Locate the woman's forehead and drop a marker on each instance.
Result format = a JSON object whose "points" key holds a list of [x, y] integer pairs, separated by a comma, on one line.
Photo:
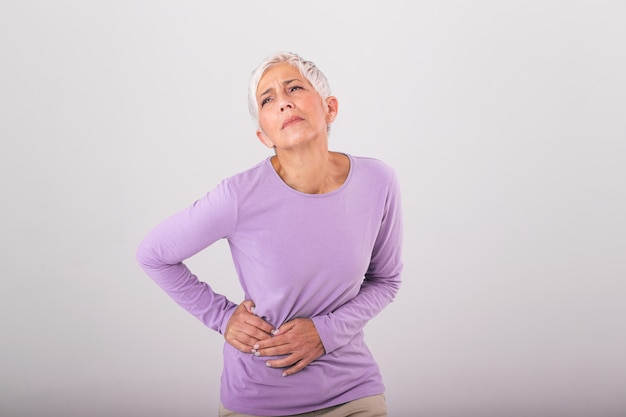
{"points": [[281, 73]]}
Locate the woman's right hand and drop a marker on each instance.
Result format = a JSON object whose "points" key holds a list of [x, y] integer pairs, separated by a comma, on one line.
{"points": [[245, 329]]}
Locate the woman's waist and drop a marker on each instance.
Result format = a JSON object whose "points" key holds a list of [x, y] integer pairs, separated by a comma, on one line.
{"points": [[346, 373], [351, 364]]}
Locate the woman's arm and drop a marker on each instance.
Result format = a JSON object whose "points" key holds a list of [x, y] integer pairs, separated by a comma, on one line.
{"points": [[381, 283], [162, 252]]}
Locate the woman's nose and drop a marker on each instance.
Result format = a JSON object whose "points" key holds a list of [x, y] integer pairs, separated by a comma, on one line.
{"points": [[284, 102], [286, 105]]}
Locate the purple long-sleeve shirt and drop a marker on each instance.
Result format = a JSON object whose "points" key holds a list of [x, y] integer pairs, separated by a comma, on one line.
{"points": [[334, 258]]}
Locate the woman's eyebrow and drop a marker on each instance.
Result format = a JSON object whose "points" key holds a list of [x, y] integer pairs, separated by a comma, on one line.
{"points": [[266, 91], [287, 82], [284, 83]]}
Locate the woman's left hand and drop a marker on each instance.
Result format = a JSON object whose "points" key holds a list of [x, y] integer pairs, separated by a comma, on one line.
{"points": [[298, 339]]}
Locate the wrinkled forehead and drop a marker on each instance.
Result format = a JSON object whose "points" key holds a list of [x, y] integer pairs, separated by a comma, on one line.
{"points": [[278, 74]]}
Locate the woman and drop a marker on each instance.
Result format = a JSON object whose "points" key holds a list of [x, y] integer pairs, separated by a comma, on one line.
{"points": [[315, 238]]}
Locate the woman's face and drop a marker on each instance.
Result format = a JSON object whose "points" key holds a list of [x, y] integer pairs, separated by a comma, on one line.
{"points": [[291, 111]]}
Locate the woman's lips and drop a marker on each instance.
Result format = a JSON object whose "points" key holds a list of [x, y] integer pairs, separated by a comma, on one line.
{"points": [[290, 121]]}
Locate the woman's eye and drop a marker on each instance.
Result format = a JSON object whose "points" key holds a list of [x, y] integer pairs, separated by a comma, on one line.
{"points": [[265, 101], [294, 88]]}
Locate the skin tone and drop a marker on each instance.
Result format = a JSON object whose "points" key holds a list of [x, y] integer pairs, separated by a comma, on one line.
{"points": [[293, 120]]}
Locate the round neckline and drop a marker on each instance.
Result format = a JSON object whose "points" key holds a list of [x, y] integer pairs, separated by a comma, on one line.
{"points": [[268, 164]]}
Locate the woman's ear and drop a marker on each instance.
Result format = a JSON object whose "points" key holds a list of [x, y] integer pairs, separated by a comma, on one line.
{"points": [[264, 139], [332, 107]]}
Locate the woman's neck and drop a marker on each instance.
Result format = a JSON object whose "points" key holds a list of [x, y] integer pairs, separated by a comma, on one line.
{"points": [[312, 173]]}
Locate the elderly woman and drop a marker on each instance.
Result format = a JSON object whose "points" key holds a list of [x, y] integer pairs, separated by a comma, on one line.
{"points": [[315, 238]]}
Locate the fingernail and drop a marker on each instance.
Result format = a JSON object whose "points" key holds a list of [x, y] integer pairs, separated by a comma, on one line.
{"points": [[257, 353], [274, 332], [284, 373], [252, 309], [255, 347], [268, 364]]}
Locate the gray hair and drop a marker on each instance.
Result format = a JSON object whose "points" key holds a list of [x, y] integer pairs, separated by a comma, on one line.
{"points": [[307, 69]]}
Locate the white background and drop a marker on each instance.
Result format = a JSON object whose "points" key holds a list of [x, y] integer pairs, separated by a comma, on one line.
{"points": [[506, 124]]}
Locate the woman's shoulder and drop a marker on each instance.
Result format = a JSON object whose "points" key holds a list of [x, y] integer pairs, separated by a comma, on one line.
{"points": [[370, 166], [245, 182]]}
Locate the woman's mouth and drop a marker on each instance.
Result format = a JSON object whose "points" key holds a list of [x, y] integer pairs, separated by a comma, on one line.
{"points": [[291, 121]]}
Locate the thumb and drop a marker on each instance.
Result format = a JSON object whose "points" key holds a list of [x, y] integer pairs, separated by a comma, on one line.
{"points": [[287, 326], [249, 306]]}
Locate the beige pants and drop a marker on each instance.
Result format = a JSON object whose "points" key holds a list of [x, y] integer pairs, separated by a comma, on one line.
{"points": [[374, 406]]}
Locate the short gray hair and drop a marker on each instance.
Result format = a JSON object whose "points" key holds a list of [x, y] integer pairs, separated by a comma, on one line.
{"points": [[307, 69]]}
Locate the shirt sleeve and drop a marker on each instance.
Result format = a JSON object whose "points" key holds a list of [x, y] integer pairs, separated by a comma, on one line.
{"points": [[162, 252], [381, 283]]}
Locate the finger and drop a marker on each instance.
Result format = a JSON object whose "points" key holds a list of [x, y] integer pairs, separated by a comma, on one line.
{"points": [[249, 306], [284, 362], [286, 340], [240, 340], [244, 329], [240, 346], [243, 320], [286, 327], [247, 333], [298, 364], [259, 323], [275, 349]]}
